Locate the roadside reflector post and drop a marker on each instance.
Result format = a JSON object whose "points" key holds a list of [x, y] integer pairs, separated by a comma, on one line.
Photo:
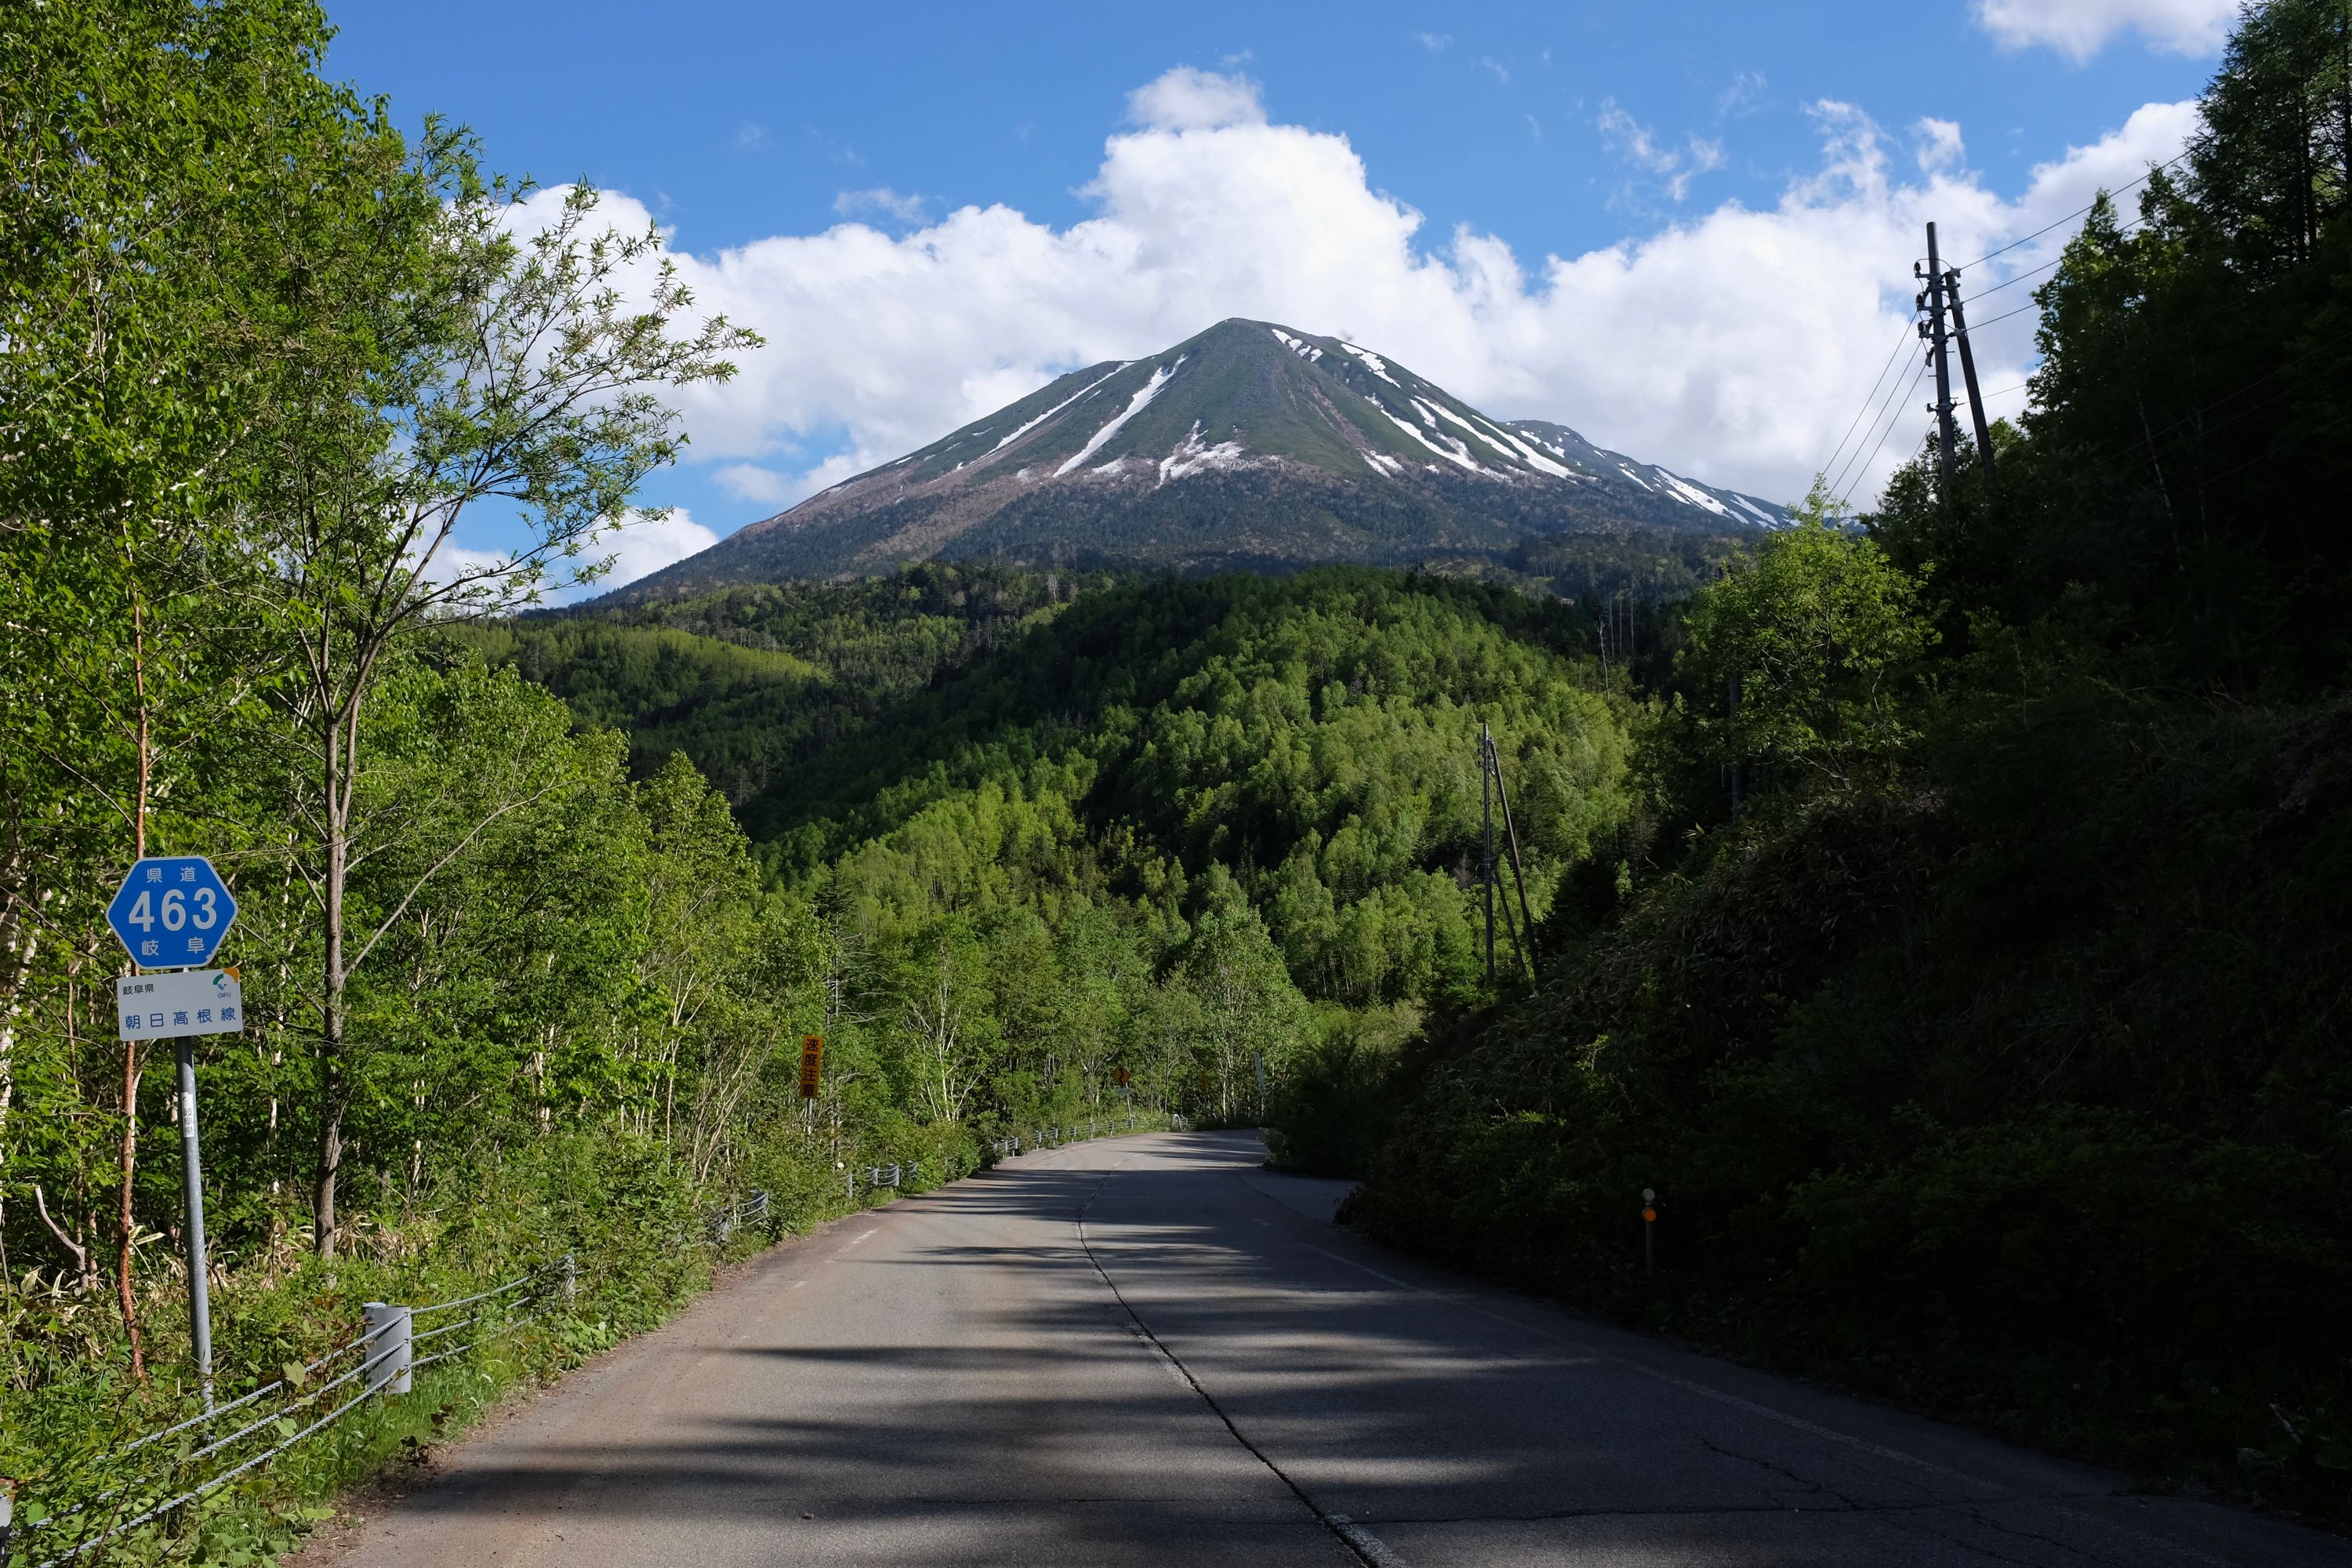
{"points": [[1649, 1230], [571, 1278], [390, 1348]]}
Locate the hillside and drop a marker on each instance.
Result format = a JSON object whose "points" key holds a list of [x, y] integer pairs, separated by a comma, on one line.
{"points": [[1969, 991], [1250, 445]]}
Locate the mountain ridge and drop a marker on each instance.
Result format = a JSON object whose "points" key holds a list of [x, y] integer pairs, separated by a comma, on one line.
{"points": [[1249, 445]]}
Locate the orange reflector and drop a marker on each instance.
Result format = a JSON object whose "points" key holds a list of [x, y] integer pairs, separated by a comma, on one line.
{"points": [[1649, 1214]]}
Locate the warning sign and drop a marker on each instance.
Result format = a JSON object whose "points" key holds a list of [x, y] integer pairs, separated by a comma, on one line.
{"points": [[812, 1059]]}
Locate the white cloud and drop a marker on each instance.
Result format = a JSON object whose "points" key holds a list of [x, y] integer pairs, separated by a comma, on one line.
{"points": [[646, 543], [1634, 141], [1502, 75], [1435, 42], [1939, 148], [1744, 96], [749, 481], [1734, 345], [1189, 100], [879, 201], [2081, 29]]}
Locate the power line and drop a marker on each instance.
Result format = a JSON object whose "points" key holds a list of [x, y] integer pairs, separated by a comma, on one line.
{"points": [[2078, 212], [1877, 412], [1864, 471], [1869, 397]]}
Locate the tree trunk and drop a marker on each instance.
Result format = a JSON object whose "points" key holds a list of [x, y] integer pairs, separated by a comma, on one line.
{"points": [[125, 1229], [337, 735], [128, 1161]]}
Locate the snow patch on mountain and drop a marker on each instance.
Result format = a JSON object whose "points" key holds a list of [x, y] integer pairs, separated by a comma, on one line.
{"points": [[1135, 405], [1534, 459], [1687, 491], [1374, 363], [1298, 346], [1383, 464], [1025, 429], [1191, 457], [1452, 418], [1453, 451]]}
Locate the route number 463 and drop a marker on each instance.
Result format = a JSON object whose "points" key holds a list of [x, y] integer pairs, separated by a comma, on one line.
{"points": [[171, 912], [175, 909]]}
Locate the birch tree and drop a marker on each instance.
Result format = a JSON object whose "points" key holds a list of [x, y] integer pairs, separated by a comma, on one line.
{"points": [[461, 369]]}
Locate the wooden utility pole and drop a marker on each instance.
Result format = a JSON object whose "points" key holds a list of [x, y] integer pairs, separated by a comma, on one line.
{"points": [[1490, 767], [1487, 862], [1968, 375], [1932, 301]]}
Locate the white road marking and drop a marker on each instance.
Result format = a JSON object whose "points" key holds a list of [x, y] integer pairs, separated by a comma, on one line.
{"points": [[1370, 1547], [865, 1235]]}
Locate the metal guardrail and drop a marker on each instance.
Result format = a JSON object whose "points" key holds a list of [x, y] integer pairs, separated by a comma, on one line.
{"points": [[1095, 1127], [389, 1357], [389, 1346]]}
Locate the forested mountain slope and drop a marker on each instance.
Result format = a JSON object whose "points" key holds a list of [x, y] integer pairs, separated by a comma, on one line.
{"points": [[1250, 445], [749, 681], [970, 738], [1989, 1055]]}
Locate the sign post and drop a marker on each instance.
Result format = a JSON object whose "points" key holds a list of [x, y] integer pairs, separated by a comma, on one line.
{"points": [[1649, 1220], [171, 914]]}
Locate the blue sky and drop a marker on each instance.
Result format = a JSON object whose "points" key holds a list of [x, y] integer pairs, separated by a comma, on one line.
{"points": [[1684, 229]]}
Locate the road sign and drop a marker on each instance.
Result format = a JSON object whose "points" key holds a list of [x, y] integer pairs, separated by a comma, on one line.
{"points": [[171, 912], [812, 1059], [191, 1002], [1119, 1077]]}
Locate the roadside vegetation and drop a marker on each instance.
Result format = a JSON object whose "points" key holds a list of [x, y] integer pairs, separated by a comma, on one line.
{"points": [[1986, 1057], [1991, 1057], [1025, 849]]}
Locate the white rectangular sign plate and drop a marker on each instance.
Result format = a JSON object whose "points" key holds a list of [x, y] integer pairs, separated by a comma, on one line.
{"points": [[188, 1002]]}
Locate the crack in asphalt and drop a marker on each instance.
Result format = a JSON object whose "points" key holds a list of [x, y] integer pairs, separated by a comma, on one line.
{"points": [[1812, 1487], [1364, 1549]]}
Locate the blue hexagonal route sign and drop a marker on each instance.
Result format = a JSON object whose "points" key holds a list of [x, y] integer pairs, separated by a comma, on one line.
{"points": [[171, 912]]}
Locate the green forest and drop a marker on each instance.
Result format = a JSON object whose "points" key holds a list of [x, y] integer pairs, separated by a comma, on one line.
{"points": [[1945, 911]]}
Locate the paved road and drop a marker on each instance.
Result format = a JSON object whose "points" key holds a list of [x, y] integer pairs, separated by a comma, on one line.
{"points": [[1146, 1351]]}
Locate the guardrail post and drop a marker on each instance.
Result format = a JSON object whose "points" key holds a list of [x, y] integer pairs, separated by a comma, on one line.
{"points": [[392, 1349], [853, 1185], [571, 1278]]}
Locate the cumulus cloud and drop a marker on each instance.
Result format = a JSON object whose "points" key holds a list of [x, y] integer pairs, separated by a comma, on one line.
{"points": [[643, 542], [1939, 147], [1189, 100], [1435, 42], [749, 481], [2081, 29], [1734, 345]]}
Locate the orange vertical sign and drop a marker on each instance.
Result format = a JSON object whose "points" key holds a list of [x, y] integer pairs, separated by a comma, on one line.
{"points": [[811, 1057]]}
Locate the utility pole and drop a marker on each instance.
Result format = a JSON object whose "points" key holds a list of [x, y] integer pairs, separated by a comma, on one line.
{"points": [[1486, 865], [1490, 767], [1932, 329], [1969, 375]]}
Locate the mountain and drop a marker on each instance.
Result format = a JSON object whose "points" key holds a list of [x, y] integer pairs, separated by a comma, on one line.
{"points": [[1248, 445]]}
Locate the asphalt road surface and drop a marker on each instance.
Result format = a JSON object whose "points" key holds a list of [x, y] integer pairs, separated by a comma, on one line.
{"points": [[1146, 1350]]}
